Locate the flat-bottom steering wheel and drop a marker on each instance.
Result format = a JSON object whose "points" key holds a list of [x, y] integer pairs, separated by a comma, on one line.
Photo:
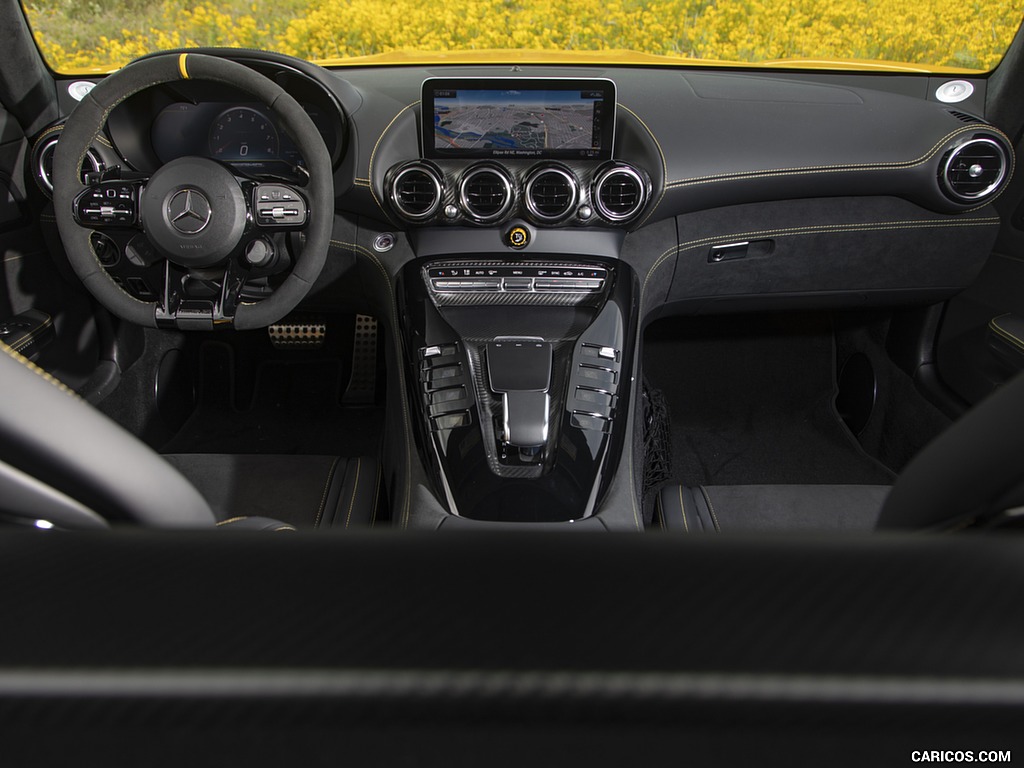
{"points": [[199, 217]]}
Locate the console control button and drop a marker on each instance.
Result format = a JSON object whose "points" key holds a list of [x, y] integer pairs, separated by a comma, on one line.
{"points": [[518, 237]]}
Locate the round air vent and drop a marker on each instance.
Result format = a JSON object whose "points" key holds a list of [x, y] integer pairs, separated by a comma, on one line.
{"points": [[44, 163], [485, 193], [619, 192], [551, 193], [416, 192], [975, 170]]}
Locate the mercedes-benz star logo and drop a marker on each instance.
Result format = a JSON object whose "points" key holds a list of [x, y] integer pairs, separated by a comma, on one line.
{"points": [[189, 211]]}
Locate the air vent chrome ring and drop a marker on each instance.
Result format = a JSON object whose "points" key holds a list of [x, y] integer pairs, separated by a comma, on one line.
{"points": [[982, 180], [44, 163], [535, 187], [499, 196], [625, 208], [413, 181]]}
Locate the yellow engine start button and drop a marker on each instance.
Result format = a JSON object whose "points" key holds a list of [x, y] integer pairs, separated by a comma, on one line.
{"points": [[518, 237]]}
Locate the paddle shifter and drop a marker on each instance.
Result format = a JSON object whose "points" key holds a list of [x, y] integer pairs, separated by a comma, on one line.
{"points": [[520, 371]]}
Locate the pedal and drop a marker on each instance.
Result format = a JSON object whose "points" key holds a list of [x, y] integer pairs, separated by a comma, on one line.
{"points": [[362, 385], [298, 335]]}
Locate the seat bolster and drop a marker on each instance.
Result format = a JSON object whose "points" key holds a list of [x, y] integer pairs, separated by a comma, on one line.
{"points": [[680, 510], [244, 523], [353, 496]]}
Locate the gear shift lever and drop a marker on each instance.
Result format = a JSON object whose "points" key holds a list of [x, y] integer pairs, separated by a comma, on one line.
{"points": [[520, 371]]}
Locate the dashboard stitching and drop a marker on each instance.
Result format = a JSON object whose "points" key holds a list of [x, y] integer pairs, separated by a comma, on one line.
{"points": [[358, 249], [664, 163], [822, 229], [1007, 335], [376, 146], [812, 169]]}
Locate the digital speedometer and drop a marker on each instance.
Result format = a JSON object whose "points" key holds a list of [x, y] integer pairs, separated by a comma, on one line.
{"points": [[244, 134]]}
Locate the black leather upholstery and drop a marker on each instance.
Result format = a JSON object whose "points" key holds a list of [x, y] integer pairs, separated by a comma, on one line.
{"points": [[714, 509], [970, 473], [302, 491]]}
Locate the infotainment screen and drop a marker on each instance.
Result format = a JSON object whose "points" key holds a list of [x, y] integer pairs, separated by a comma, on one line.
{"points": [[518, 118]]}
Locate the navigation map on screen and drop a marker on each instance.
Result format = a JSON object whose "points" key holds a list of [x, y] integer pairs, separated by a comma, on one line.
{"points": [[519, 123]]}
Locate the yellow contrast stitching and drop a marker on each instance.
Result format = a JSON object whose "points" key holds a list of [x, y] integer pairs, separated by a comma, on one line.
{"points": [[233, 520], [1005, 334], [813, 169], [664, 163], [820, 229], [17, 357], [682, 508], [373, 154], [31, 336], [327, 488], [376, 496], [355, 489]]}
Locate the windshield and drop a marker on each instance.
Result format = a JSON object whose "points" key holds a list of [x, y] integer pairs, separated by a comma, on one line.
{"points": [[81, 36]]}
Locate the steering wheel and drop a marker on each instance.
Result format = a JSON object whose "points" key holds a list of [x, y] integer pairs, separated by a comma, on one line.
{"points": [[206, 230]]}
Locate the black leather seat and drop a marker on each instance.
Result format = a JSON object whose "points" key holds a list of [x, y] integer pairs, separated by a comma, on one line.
{"points": [[63, 463], [972, 474]]}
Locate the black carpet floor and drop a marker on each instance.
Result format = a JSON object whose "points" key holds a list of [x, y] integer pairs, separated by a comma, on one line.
{"points": [[751, 402], [294, 407]]}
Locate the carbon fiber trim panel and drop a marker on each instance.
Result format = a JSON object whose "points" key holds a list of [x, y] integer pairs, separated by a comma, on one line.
{"points": [[582, 298]]}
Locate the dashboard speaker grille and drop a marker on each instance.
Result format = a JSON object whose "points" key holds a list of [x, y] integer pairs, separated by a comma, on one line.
{"points": [[416, 192], [486, 194], [620, 193], [975, 170], [551, 193]]}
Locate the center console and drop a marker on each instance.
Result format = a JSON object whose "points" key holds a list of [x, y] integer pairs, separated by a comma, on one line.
{"points": [[521, 374]]}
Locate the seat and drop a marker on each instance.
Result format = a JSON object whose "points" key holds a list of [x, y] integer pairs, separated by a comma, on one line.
{"points": [[64, 464], [713, 509], [971, 474], [302, 491]]}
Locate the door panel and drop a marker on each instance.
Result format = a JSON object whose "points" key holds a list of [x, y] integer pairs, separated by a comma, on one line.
{"points": [[981, 341]]}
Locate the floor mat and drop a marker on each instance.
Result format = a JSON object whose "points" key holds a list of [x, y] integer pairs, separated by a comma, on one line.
{"points": [[294, 408], [750, 402]]}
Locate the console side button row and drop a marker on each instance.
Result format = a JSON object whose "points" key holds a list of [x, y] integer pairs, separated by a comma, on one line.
{"points": [[448, 395], [602, 353], [590, 421], [593, 400], [598, 375], [451, 420]]}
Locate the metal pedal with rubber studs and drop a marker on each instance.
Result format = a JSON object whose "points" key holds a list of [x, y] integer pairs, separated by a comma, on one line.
{"points": [[310, 334], [362, 385]]}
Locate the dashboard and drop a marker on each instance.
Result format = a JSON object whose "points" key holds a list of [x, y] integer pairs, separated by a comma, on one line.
{"points": [[516, 227], [854, 189]]}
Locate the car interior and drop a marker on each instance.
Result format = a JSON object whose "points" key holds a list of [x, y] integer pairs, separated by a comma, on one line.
{"points": [[309, 406]]}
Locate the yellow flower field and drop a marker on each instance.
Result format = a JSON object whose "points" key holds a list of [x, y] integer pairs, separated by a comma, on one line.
{"points": [[970, 34]]}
